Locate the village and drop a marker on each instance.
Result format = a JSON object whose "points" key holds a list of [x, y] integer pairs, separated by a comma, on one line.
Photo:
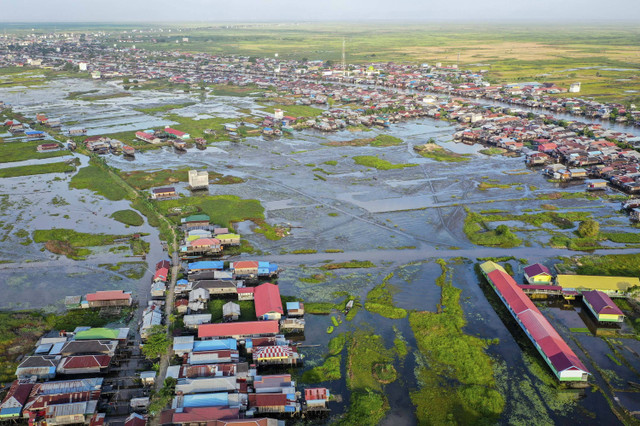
{"points": [[214, 340]]}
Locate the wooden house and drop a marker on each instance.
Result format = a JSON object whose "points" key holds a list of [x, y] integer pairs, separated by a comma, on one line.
{"points": [[602, 307], [109, 298], [160, 193], [537, 274], [268, 304]]}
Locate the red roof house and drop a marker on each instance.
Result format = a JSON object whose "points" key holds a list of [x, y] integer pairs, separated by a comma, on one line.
{"points": [[238, 329], [268, 304], [109, 298]]}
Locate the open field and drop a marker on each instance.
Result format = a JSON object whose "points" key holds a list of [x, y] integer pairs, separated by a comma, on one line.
{"points": [[19, 151]]}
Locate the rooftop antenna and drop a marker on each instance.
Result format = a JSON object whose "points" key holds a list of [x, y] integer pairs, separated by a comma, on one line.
{"points": [[344, 65]]}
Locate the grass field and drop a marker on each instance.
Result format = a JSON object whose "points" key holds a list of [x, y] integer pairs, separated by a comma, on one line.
{"points": [[19, 151], [36, 169]]}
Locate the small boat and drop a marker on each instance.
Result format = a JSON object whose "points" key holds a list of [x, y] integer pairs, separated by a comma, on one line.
{"points": [[128, 150]]}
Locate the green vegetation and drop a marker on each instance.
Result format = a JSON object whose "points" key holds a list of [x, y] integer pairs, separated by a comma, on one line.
{"points": [[142, 179], [377, 163], [222, 209], [623, 265], [196, 128], [349, 265], [380, 300], [295, 110], [483, 186], [97, 179], [314, 279], [157, 343], [304, 251], [493, 151], [588, 229], [164, 108], [436, 152], [336, 345], [329, 370], [247, 309], [458, 385], [162, 398], [105, 96], [621, 237], [128, 217], [331, 163], [20, 151], [478, 232], [36, 169], [381, 140], [366, 404], [237, 91], [71, 243], [20, 330]]}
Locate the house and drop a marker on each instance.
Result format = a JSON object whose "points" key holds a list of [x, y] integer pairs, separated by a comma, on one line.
{"points": [[245, 268], [205, 265], [148, 378], [202, 245], [75, 412], [268, 304], [160, 193], [163, 264], [147, 137], [101, 333], [238, 330], [273, 403], [280, 355], [11, 407], [84, 364], [216, 287], [240, 370], [198, 179], [194, 320], [612, 286], [209, 415], [109, 298], [228, 239], [48, 147], [560, 358], [160, 275], [316, 397], [41, 367], [596, 184], [89, 347], [294, 325], [245, 293], [230, 311], [295, 309], [173, 133], [537, 274], [181, 306], [135, 419], [602, 307], [213, 357], [207, 384], [277, 383], [196, 221], [182, 345]]}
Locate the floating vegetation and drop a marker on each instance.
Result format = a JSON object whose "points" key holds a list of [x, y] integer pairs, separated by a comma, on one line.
{"points": [[458, 385], [380, 300]]}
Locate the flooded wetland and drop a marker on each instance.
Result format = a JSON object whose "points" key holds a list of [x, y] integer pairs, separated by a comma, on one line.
{"points": [[427, 341]]}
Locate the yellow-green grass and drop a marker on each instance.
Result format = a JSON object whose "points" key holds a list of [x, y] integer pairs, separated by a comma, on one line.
{"points": [[20, 151], [36, 169], [378, 163]]}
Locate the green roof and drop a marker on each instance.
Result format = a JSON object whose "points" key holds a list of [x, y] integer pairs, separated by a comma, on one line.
{"points": [[196, 218], [97, 333]]}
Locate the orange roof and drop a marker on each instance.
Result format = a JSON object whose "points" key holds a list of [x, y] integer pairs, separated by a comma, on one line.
{"points": [[108, 295]]}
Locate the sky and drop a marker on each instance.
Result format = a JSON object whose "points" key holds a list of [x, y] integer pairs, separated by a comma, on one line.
{"points": [[569, 11]]}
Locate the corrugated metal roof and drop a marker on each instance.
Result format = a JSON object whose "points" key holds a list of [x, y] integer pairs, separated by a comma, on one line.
{"points": [[601, 303], [591, 282], [267, 299]]}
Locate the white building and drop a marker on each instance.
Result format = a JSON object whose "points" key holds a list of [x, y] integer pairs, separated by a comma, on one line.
{"points": [[82, 66], [574, 88], [198, 179]]}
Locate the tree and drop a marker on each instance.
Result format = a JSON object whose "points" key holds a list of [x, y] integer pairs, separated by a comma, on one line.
{"points": [[157, 343], [588, 228]]}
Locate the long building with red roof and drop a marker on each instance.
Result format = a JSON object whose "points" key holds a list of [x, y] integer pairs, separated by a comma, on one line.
{"points": [[564, 363], [238, 329]]}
